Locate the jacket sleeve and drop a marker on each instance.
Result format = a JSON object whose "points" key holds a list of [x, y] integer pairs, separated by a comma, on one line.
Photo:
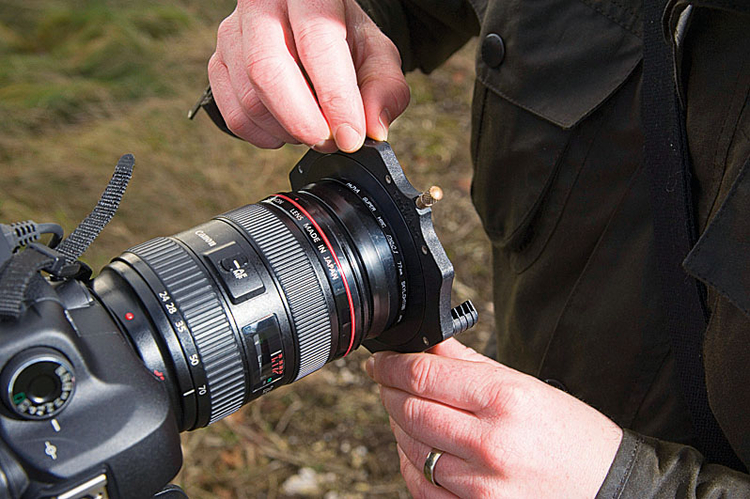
{"points": [[426, 32], [646, 467]]}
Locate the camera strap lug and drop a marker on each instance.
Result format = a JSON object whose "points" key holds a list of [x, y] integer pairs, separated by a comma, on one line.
{"points": [[17, 276], [208, 104]]}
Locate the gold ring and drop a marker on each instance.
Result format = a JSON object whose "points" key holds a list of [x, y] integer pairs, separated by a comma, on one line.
{"points": [[429, 466]]}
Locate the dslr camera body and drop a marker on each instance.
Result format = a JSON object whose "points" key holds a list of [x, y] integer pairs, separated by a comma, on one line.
{"points": [[98, 377]]}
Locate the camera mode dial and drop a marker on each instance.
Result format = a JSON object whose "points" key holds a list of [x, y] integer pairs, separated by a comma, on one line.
{"points": [[38, 383]]}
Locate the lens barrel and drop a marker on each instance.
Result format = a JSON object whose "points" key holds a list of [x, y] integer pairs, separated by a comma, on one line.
{"points": [[256, 298], [266, 294]]}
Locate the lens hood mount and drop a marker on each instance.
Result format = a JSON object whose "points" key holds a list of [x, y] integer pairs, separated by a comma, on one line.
{"points": [[426, 317]]}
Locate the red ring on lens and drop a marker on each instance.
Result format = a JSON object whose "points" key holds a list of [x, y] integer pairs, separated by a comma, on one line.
{"points": [[338, 265]]}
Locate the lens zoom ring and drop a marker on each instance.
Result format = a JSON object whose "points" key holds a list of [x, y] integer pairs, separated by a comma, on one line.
{"points": [[298, 280], [204, 314]]}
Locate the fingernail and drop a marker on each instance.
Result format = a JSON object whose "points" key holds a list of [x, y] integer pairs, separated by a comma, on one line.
{"points": [[325, 146], [385, 122], [347, 138], [370, 367]]}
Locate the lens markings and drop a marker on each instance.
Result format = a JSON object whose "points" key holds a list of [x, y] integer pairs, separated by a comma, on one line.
{"points": [[338, 267]]}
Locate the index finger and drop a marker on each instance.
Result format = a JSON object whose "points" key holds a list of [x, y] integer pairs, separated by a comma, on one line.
{"points": [[467, 385], [320, 36], [275, 75]]}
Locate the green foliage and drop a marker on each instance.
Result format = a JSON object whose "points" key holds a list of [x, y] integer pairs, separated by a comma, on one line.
{"points": [[64, 60]]}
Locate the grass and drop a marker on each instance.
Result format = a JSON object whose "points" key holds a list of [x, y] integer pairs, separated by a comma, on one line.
{"points": [[65, 62], [83, 82]]}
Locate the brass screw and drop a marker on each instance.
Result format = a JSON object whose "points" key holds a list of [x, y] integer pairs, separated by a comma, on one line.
{"points": [[427, 199]]}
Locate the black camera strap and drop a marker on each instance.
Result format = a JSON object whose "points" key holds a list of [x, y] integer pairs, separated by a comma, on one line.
{"points": [[88, 230], [15, 279], [666, 157], [208, 104], [18, 273]]}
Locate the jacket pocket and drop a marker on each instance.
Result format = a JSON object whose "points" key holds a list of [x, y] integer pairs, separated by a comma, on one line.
{"points": [[562, 60]]}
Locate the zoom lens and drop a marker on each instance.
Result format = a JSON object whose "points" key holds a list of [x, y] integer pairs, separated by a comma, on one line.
{"points": [[258, 297], [266, 294]]}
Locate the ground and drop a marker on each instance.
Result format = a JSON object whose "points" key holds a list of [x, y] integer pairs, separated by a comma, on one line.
{"points": [[83, 82]]}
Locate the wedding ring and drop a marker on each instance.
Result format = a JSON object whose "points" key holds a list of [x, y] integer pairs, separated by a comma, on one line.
{"points": [[429, 466]]}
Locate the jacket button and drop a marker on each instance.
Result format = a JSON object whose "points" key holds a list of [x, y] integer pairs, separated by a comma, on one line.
{"points": [[557, 384], [493, 50]]}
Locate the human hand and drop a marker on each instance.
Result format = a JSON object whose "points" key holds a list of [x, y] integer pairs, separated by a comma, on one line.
{"points": [[263, 94], [502, 433]]}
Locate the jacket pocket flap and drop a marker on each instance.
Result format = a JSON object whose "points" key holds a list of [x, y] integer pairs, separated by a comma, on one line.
{"points": [[561, 59], [721, 257]]}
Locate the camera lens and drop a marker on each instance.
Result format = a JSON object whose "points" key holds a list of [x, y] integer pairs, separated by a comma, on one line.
{"points": [[260, 296], [266, 294]]}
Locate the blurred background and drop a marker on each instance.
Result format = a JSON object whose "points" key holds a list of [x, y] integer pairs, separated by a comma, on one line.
{"points": [[82, 82]]}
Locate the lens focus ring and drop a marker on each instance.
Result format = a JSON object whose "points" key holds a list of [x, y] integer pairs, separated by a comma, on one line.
{"points": [[189, 287], [292, 267]]}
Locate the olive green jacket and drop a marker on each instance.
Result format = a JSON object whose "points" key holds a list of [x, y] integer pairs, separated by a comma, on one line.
{"points": [[560, 189]]}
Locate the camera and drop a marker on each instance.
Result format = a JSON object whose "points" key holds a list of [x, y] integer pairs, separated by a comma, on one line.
{"points": [[99, 376]]}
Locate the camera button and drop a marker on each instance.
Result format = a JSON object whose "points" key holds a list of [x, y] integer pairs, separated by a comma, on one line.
{"points": [[38, 382], [235, 262], [235, 271]]}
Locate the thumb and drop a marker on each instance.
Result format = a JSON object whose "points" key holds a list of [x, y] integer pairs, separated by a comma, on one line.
{"points": [[454, 349]]}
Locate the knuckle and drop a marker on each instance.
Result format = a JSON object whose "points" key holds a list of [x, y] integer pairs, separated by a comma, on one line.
{"points": [[334, 102], [267, 76], [392, 87], [513, 396], [400, 91], [413, 414], [241, 126], [318, 35], [488, 397], [421, 374], [487, 453], [304, 131], [475, 442], [496, 399], [386, 50], [369, 39], [264, 70], [392, 50], [226, 29], [236, 121], [252, 104], [473, 439], [303, 134], [213, 63], [491, 451]]}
